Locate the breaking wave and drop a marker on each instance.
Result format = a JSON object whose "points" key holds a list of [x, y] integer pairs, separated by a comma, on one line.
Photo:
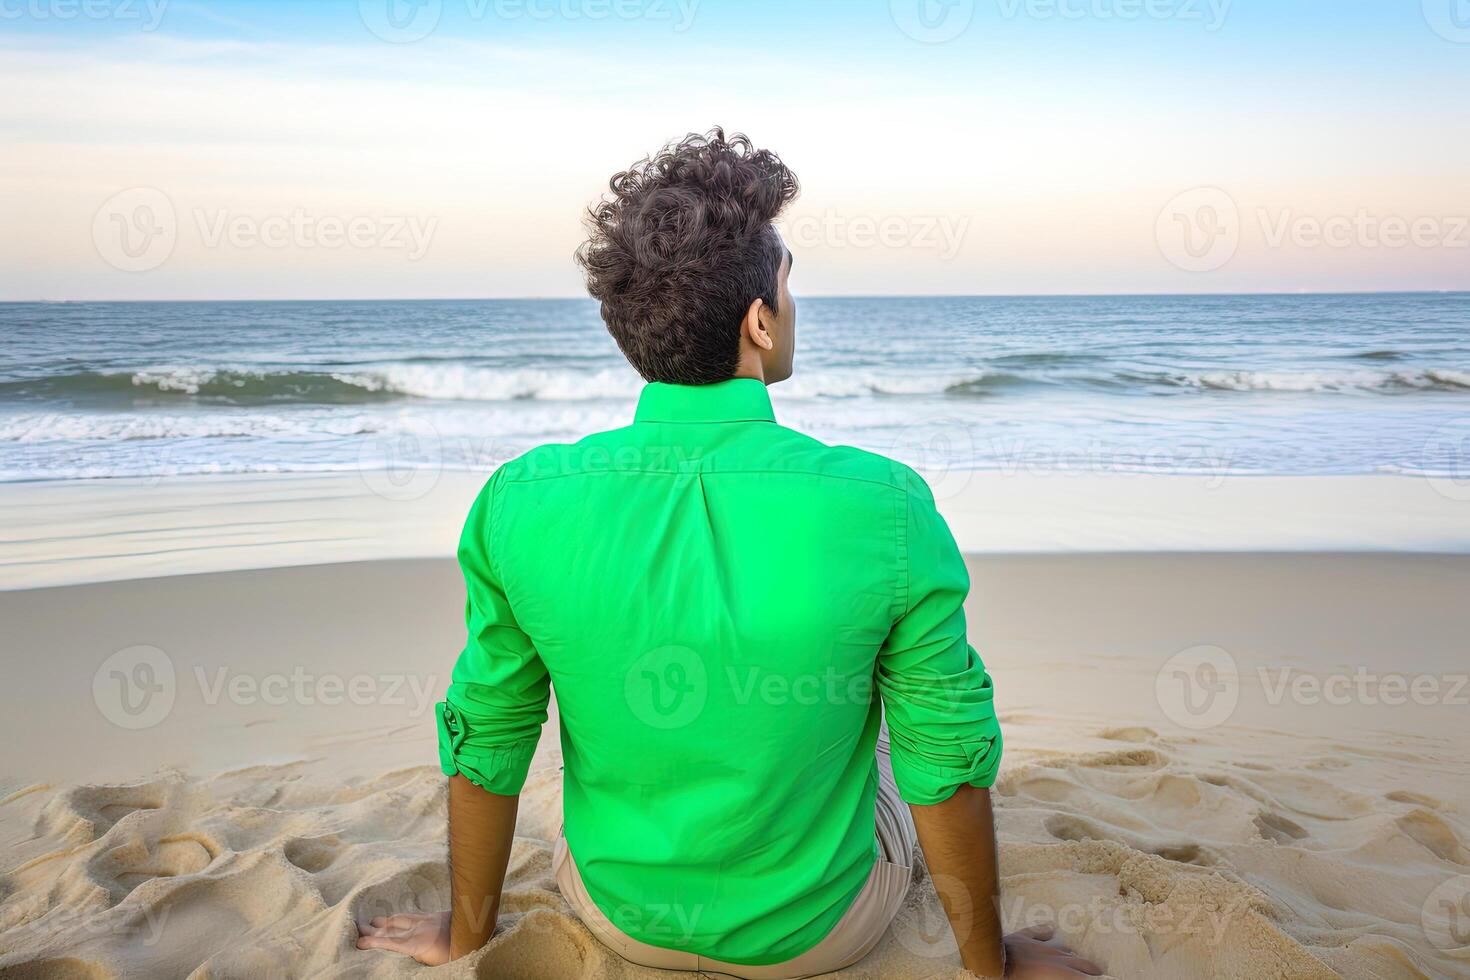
{"points": [[243, 387]]}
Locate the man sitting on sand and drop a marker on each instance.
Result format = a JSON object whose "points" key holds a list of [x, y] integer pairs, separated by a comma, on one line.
{"points": [[757, 641]]}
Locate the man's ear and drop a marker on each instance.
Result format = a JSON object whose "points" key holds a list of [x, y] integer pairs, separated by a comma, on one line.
{"points": [[755, 327]]}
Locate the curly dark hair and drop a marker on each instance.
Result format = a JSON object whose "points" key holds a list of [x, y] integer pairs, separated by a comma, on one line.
{"points": [[680, 250]]}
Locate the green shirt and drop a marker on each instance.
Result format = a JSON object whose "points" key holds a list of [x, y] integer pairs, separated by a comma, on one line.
{"points": [[720, 603]]}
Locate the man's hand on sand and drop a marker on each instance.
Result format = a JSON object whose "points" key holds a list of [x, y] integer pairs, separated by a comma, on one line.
{"points": [[1032, 954], [424, 937]]}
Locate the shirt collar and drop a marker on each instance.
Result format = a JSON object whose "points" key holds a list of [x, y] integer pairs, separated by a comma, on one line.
{"points": [[736, 400]]}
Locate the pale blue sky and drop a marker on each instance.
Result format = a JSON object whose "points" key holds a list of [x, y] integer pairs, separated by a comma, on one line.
{"points": [[1000, 146]]}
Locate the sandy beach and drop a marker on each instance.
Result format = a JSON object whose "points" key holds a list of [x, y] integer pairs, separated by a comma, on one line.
{"points": [[1235, 750], [1167, 301]]}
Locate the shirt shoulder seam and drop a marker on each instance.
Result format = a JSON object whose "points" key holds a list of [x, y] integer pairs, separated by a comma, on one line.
{"points": [[889, 484]]}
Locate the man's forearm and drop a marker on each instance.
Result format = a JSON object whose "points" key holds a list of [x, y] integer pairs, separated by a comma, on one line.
{"points": [[958, 838], [482, 829]]}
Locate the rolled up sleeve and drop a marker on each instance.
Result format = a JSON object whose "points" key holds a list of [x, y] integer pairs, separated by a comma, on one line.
{"points": [[937, 696], [491, 718]]}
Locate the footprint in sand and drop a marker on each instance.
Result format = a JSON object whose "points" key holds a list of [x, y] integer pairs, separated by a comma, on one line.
{"points": [[135, 862], [106, 806], [61, 968], [1140, 758], [1417, 799], [313, 854], [1435, 835], [1135, 733], [1064, 826], [1071, 828], [1275, 827], [1184, 854]]}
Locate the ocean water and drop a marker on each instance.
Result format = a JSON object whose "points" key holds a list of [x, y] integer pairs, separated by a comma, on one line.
{"points": [[1197, 385]]}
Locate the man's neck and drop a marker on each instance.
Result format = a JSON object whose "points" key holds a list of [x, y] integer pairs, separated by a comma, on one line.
{"points": [[750, 366]]}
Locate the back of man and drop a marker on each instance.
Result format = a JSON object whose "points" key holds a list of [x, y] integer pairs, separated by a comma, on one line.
{"points": [[735, 619], [711, 594]]}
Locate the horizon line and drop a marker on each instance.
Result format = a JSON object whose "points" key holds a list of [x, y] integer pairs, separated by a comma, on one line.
{"points": [[866, 296]]}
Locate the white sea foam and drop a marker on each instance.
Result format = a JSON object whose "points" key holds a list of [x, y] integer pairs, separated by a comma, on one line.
{"points": [[448, 381], [461, 382], [314, 423], [56, 426], [956, 384], [185, 380], [464, 383], [1429, 379]]}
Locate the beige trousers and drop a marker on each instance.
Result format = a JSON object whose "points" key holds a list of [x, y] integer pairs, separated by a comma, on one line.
{"points": [[857, 932]]}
